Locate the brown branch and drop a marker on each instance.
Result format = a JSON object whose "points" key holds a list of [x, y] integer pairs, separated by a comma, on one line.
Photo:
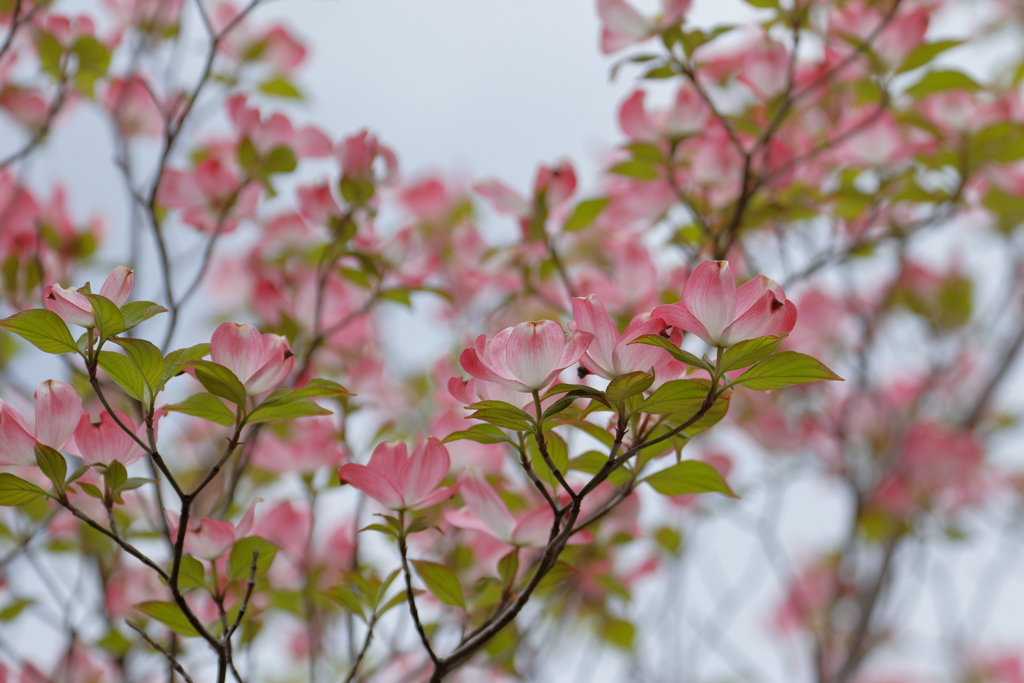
{"points": [[170, 658]]}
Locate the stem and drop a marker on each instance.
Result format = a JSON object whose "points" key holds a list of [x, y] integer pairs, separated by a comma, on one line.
{"points": [[410, 597]]}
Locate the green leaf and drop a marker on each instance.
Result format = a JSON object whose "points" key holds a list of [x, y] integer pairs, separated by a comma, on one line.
{"points": [[172, 363], [585, 213], [218, 380], [16, 492], [191, 573], [91, 490], [51, 53], [641, 170], [137, 312], [346, 599], [938, 81], [922, 54], [240, 560], [624, 386], [669, 539], [502, 414], [619, 631], [675, 351], [107, 316], [442, 582], [43, 329], [285, 411], [170, 615], [93, 62], [125, 374], [479, 434], [208, 407], [11, 611], [280, 87], [748, 352], [674, 396], [116, 475], [281, 159], [147, 358], [53, 465], [783, 369], [323, 388], [689, 476], [508, 567]]}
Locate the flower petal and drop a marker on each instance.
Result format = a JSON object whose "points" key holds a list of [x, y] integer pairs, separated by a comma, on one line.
{"points": [[58, 410], [17, 445], [372, 484], [118, 285], [428, 466], [485, 504], [679, 317], [590, 316], [239, 348], [710, 296]]}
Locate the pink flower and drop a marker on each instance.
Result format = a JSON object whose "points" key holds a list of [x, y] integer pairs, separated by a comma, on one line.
{"points": [[402, 482], [213, 537], [104, 442], [689, 114], [611, 354], [487, 513], [259, 361], [623, 25], [58, 408], [133, 107], [73, 307], [358, 153], [267, 133], [525, 357], [722, 315]]}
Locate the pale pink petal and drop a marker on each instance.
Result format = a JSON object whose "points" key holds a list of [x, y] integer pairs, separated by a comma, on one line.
{"points": [[633, 118], [590, 316], [72, 306], [213, 538], [751, 291], [372, 484], [118, 285], [428, 466], [17, 445], [487, 506], [391, 461], [576, 344], [534, 350], [245, 525], [640, 357], [756, 322], [460, 389], [278, 361], [623, 25], [503, 198], [710, 296], [436, 497], [783, 319], [104, 442], [471, 362], [239, 348], [680, 318], [464, 518], [58, 410], [672, 11], [311, 142], [533, 529]]}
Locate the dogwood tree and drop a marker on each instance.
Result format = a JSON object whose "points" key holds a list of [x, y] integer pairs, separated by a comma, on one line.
{"points": [[801, 273]]}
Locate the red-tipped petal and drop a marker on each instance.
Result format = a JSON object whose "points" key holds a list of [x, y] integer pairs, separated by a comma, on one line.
{"points": [[591, 316], [118, 285], [680, 318]]}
